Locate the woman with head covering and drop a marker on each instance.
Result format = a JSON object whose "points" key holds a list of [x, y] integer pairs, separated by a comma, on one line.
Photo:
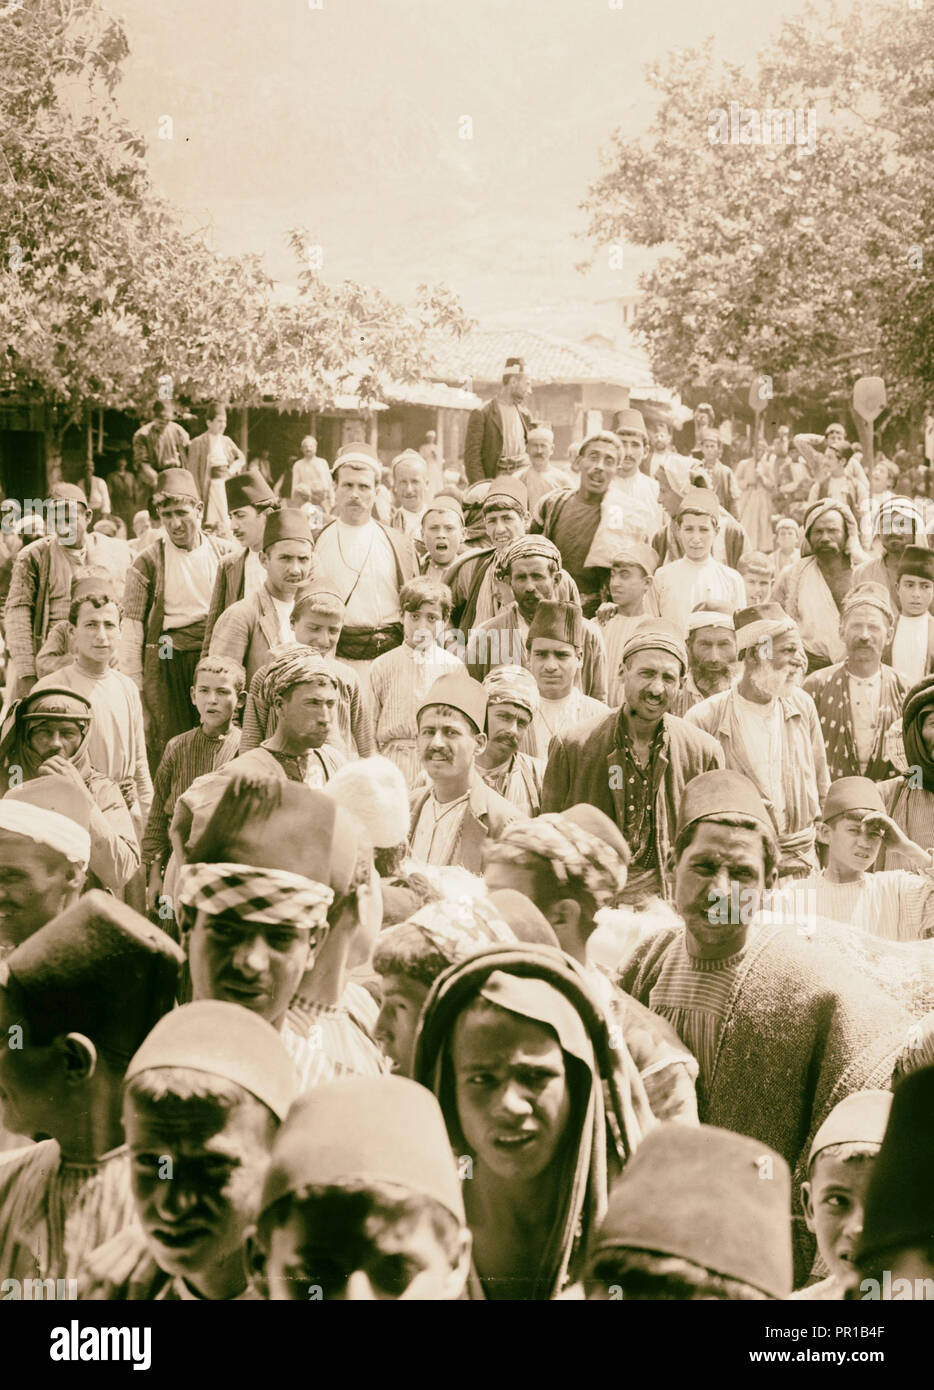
{"points": [[909, 798], [47, 734], [541, 1109]]}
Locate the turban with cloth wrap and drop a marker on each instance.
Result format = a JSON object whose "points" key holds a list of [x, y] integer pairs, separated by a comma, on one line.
{"points": [[274, 897], [297, 666], [51, 811], [754, 625], [655, 634], [571, 851], [919, 702], [850, 526], [526, 548], [512, 685]]}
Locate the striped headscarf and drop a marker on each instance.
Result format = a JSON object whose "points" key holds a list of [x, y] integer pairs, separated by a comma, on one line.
{"points": [[296, 666], [571, 852], [526, 548]]}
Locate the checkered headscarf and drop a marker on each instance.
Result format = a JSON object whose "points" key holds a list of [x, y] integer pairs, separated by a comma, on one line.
{"points": [[255, 894], [459, 927], [571, 851], [526, 548]]}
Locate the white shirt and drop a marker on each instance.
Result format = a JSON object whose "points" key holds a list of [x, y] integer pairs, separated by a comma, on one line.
{"points": [[865, 698], [345, 551], [513, 433], [910, 647], [254, 574], [283, 610], [556, 716], [761, 730], [189, 583], [411, 521], [435, 837], [682, 584]]}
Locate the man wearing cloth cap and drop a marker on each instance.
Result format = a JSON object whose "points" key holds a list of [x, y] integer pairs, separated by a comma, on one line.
{"points": [[247, 631], [452, 818], [206, 1094], [632, 488], [362, 1199], [45, 846], [781, 1023], [697, 1214], [366, 561], [812, 590], [898, 523], [42, 578], [682, 584], [410, 487], [711, 648], [769, 731], [512, 700], [859, 698], [212, 457], [539, 477], [531, 567], [80, 994], [634, 763], [572, 517], [555, 657], [500, 428], [632, 565], [165, 606], [477, 592], [442, 536], [250, 499], [46, 735]]}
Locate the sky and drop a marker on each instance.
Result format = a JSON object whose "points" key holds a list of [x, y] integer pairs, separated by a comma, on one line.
{"points": [[347, 119]]}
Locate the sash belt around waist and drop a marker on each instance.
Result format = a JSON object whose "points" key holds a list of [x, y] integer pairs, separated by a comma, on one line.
{"points": [[367, 643]]}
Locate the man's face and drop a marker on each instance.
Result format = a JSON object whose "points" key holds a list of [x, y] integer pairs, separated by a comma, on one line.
{"points": [[307, 713], [865, 631], [53, 738], [502, 525], [447, 743], [651, 680], [915, 595], [354, 494], [710, 451], [703, 420], [782, 661], [397, 1023], [196, 1218], [309, 447], [409, 485], [180, 517], [442, 533], [718, 857], [835, 435], [632, 452], [215, 697], [628, 583], [713, 654], [33, 1088], [424, 629], [554, 665], [512, 1093], [288, 564], [539, 451], [851, 845], [828, 535], [320, 631], [599, 464], [71, 522], [758, 586], [531, 580], [334, 1244], [505, 725], [786, 537], [218, 423], [96, 634], [248, 526], [34, 883], [834, 1202], [661, 439], [697, 535], [258, 965], [520, 388]]}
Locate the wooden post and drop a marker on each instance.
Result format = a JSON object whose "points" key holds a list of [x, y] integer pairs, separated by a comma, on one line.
{"points": [[245, 431]]}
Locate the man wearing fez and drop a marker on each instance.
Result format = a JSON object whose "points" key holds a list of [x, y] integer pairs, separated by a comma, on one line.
{"points": [[45, 846], [531, 567], [500, 428], [477, 591], [453, 817], [240, 574], [769, 731], [859, 698], [812, 590], [165, 607], [76, 1000], [556, 654], [782, 1024], [634, 763], [711, 647], [248, 630], [366, 561], [571, 517]]}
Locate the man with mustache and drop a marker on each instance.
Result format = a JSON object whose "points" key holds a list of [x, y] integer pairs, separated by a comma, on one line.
{"points": [[572, 517], [711, 646], [859, 698], [769, 731], [512, 702], [241, 574], [410, 492], [539, 476], [812, 590]]}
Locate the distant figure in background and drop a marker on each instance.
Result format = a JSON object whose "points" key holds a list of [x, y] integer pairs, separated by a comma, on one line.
{"points": [[311, 471], [99, 497], [212, 458], [410, 492], [161, 443], [433, 457], [124, 493], [539, 476], [500, 428]]}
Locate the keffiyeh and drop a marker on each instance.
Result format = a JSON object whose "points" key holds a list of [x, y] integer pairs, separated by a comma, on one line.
{"points": [[526, 548], [274, 896], [571, 851]]}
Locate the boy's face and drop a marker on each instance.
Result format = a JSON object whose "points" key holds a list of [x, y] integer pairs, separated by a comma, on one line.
{"points": [[258, 965], [915, 595], [397, 1023], [216, 698], [758, 587], [424, 628], [96, 634], [332, 1248], [628, 584], [442, 533], [850, 846], [503, 525], [697, 534], [321, 631], [196, 1171], [834, 1200]]}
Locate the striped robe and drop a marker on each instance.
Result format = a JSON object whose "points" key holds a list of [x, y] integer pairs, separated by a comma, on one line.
{"points": [[829, 690], [397, 681]]}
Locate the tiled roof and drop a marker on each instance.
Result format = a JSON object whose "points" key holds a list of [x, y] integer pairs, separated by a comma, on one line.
{"points": [[481, 355]]}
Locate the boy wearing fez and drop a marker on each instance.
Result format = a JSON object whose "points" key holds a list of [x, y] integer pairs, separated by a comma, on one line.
{"points": [[76, 1000], [912, 647]]}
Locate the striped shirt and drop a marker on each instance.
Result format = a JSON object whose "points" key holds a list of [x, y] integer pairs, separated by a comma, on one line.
{"points": [[895, 904], [397, 682], [328, 1042], [186, 757], [519, 781], [694, 996]]}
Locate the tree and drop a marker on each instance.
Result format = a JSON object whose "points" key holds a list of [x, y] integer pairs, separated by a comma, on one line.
{"points": [[788, 257]]}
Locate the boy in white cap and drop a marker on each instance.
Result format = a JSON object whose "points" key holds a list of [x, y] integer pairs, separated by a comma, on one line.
{"points": [[839, 1168], [362, 1199], [681, 584]]}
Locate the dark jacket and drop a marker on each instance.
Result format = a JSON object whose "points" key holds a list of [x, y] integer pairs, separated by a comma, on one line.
{"points": [[228, 589], [486, 818], [483, 445]]}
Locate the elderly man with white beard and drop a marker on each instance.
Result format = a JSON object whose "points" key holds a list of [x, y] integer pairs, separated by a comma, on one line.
{"points": [[769, 731]]}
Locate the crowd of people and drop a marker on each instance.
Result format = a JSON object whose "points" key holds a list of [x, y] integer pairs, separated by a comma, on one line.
{"points": [[507, 879]]}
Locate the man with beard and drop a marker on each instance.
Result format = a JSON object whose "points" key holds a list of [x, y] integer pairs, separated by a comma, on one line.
{"points": [[531, 566], [782, 1025], [899, 523], [512, 701], [812, 590], [711, 647], [859, 698], [634, 763], [769, 731], [241, 574], [570, 518]]}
